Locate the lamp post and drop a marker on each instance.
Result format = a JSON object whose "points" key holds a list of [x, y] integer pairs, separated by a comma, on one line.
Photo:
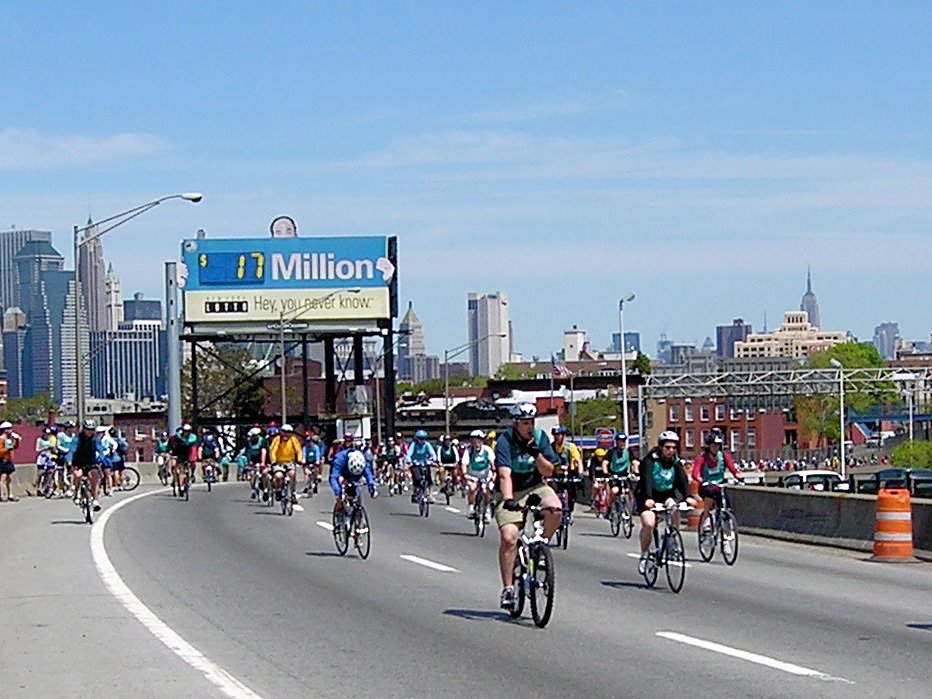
{"points": [[624, 369], [449, 354], [606, 418], [109, 223], [841, 412], [909, 379]]}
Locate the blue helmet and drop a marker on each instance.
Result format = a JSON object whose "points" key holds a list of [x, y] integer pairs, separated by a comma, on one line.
{"points": [[420, 434], [559, 429]]}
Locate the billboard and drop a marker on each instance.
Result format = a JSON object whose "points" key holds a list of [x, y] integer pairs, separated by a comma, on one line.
{"points": [[265, 280]]}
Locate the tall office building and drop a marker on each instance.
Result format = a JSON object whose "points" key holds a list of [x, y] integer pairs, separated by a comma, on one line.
{"points": [[16, 355], [887, 339], [94, 281], [114, 300], [47, 293], [139, 308], [411, 344], [11, 242], [130, 361], [489, 331], [727, 335], [809, 302], [632, 342]]}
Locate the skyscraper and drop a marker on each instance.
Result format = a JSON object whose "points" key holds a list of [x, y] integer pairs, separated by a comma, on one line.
{"points": [[114, 300], [16, 355], [129, 361], [47, 293], [632, 342], [886, 339], [94, 281], [727, 335], [11, 242], [139, 308], [411, 342], [489, 332], [810, 303]]}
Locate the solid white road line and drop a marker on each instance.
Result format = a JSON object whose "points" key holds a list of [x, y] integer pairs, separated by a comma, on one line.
{"points": [[428, 564], [637, 555], [452, 509], [219, 677], [325, 525], [299, 508], [750, 657]]}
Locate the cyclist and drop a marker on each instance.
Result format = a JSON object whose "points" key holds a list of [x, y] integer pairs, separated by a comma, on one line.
{"points": [[616, 467], [161, 450], [313, 457], [184, 451], [9, 442], [108, 447], [65, 438], [478, 466], [394, 463], [209, 453], [46, 446], [449, 460], [86, 454], [568, 465], [348, 466], [663, 480], [118, 457], [420, 457], [523, 459], [709, 470], [597, 476], [285, 451], [256, 451]]}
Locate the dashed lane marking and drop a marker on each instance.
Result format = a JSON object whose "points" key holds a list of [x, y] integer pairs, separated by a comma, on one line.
{"points": [[750, 657], [452, 509], [325, 525], [428, 564], [637, 555]]}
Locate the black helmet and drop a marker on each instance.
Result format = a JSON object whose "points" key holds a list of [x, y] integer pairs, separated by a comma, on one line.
{"points": [[714, 437]]}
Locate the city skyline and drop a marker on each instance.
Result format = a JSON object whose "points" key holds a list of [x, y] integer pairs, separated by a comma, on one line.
{"points": [[596, 147]]}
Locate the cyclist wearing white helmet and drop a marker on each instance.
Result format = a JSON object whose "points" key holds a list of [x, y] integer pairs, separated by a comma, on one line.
{"points": [[663, 480], [477, 465], [348, 466], [524, 458]]}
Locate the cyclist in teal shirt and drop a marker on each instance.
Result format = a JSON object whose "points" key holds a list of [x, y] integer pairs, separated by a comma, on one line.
{"points": [[617, 466]]}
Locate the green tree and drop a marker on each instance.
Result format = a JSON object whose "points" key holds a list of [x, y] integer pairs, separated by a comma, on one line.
{"points": [[914, 454], [514, 372], [594, 413], [222, 382], [30, 409], [434, 387], [642, 364]]}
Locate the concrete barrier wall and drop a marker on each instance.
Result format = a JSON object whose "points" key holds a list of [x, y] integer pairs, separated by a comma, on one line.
{"points": [[827, 519], [25, 476]]}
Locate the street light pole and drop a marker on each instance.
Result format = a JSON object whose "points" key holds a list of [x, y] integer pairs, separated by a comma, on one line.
{"points": [[109, 224], [606, 418], [281, 341], [841, 412], [449, 354], [624, 369]]}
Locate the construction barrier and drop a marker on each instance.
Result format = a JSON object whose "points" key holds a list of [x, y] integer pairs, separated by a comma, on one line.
{"points": [[893, 526]]}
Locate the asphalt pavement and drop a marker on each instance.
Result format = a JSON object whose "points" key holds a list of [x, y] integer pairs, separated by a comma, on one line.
{"points": [[267, 599]]}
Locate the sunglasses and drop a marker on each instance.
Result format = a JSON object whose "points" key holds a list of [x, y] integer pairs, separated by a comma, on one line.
{"points": [[669, 446]]}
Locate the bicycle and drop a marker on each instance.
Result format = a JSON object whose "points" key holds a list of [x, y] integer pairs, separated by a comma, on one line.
{"points": [[533, 575], [164, 473], [668, 551], [129, 479], [47, 481], [422, 497], [287, 505], [718, 530], [481, 505], [619, 515], [448, 489], [352, 521], [599, 496], [84, 498], [562, 484], [184, 491]]}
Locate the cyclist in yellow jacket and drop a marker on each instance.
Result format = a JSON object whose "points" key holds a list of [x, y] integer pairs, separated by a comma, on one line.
{"points": [[285, 451]]}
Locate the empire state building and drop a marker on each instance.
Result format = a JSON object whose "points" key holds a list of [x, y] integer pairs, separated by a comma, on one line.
{"points": [[810, 303]]}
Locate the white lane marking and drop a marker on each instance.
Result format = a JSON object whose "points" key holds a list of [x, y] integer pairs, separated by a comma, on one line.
{"points": [[452, 509], [638, 556], [215, 674], [299, 508], [750, 657], [427, 564], [325, 525]]}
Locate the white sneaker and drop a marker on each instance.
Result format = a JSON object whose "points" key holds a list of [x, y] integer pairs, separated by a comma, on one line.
{"points": [[96, 505], [472, 512], [642, 564]]}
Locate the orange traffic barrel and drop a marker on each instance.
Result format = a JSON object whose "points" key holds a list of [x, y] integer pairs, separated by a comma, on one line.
{"points": [[893, 526], [692, 521]]}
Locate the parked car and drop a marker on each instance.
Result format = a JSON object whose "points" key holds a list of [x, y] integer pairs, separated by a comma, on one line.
{"points": [[815, 479], [917, 480]]}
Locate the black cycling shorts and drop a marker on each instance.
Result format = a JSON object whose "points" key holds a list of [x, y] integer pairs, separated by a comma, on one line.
{"points": [[713, 493], [659, 497]]}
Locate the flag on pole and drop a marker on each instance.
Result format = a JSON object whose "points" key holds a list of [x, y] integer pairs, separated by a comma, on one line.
{"points": [[558, 370]]}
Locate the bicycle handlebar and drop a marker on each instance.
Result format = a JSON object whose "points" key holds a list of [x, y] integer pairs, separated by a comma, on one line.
{"points": [[681, 506]]}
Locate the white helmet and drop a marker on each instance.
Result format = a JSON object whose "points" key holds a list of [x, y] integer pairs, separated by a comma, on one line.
{"points": [[5, 425], [523, 411], [356, 463], [478, 434], [287, 428], [254, 432]]}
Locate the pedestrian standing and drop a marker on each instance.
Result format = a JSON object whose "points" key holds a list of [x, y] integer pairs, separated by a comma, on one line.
{"points": [[9, 441]]}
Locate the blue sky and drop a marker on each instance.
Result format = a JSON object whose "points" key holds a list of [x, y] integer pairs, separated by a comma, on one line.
{"points": [[699, 154]]}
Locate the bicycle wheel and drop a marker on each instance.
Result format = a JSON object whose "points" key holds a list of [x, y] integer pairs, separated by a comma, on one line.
{"points": [[86, 504], [130, 479], [614, 518], [627, 521], [479, 513], [706, 534], [650, 569], [543, 585], [447, 490], [361, 532], [517, 580], [163, 475], [187, 487], [286, 496], [675, 560], [565, 530], [729, 535], [209, 478], [46, 484], [340, 534]]}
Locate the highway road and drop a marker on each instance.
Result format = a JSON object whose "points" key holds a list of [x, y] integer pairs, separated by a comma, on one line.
{"points": [[267, 599]]}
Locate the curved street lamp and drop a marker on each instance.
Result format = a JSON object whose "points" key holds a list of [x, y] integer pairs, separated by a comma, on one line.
{"points": [[109, 224]]}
